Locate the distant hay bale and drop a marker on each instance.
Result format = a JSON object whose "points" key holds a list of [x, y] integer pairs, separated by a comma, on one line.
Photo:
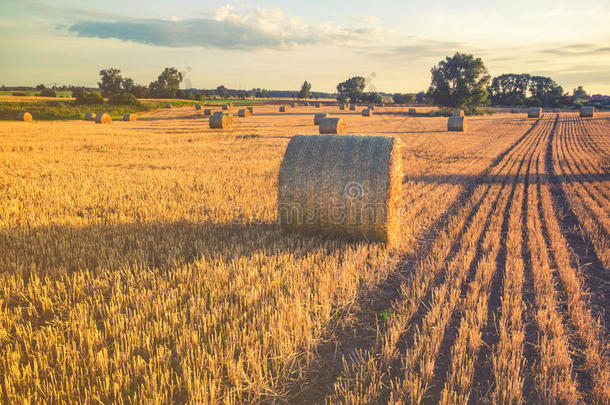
{"points": [[534, 112], [168, 106], [293, 105], [197, 107], [342, 186], [515, 111], [225, 107], [587, 111], [332, 126], [103, 119], [283, 108], [457, 123], [130, 117], [412, 111], [372, 107], [342, 106], [219, 121], [243, 112], [207, 111], [318, 117], [556, 110], [251, 109], [318, 105], [89, 117], [352, 107], [229, 116], [24, 116], [306, 104], [458, 113], [367, 112]]}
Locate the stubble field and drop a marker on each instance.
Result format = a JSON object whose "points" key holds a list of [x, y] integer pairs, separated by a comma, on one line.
{"points": [[141, 262]]}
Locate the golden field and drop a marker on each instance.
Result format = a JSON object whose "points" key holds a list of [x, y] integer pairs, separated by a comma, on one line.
{"points": [[141, 262]]}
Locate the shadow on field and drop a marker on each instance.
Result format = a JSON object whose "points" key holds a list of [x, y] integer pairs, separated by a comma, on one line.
{"points": [[56, 250]]}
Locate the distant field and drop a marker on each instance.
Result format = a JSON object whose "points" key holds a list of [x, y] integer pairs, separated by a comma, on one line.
{"points": [[33, 93], [142, 262]]}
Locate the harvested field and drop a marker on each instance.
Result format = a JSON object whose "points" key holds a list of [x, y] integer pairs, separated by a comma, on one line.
{"points": [[143, 259]]}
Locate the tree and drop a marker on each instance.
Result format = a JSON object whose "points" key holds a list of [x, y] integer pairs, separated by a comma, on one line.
{"points": [[305, 91], [40, 87], [351, 89], [459, 81], [404, 98], [167, 84], [546, 90], [580, 93], [509, 89], [128, 85], [111, 81], [420, 97], [222, 91]]}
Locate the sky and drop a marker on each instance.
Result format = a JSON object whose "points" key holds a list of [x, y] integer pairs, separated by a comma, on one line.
{"points": [[279, 44]]}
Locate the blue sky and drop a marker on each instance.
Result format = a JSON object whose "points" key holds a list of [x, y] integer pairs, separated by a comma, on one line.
{"points": [[278, 44]]}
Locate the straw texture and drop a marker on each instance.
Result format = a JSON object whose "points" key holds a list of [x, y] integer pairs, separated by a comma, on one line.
{"points": [[346, 186], [367, 112], [243, 113], [587, 111], [103, 119], [457, 123], [24, 116], [318, 117], [534, 112], [219, 121]]}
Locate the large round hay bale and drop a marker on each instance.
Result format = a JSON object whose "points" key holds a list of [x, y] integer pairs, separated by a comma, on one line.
{"points": [[219, 121], [168, 106], [283, 108], [229, 116], [103, 119], [346, 186], [130, 117], [332, 126], [458, 113], [372, 107], [89, 117], [342, 106], [251, 109], [197, 107], [534, 112], [24, 116], [352, 106], [225, 107], [318, 117], [243, 112], [457, 123], [207, 111], [587, 111], [293, 105], [412, 111], [367, 112], [318, 105]]}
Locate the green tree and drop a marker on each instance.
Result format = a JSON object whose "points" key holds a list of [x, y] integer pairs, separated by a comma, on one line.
{"points": [[167, 84], [305, 91], [580, 93], [509, 89], [459, 81], [404, 98], [110, 83], [351, 89], [222, 91], [546, 90]]}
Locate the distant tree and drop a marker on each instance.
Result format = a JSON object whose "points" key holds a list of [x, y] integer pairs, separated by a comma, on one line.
{"points": [[125, 99], [41, 87], [580, 93], [404, 98], [110, 83], [546, 90], [420, 97], [127, 85], [351, 89], [86, 97], [167, 84], [459, 81], [48, 93], [222, 91], [305, 91], [140, 91], [509, 89]]}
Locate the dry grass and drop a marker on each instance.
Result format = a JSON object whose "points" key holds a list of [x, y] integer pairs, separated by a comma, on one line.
{"points": [[142, 262]]}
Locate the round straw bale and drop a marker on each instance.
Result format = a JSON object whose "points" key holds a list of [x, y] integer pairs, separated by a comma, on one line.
{"points": [[168, 106], [412, 111], [587, 111], [318, 117], [243, 112], [367, 112], [283, 108], [24, 116], [372, 107], [346, 186], [352, 106], [207, 111], [515, 111], [293, 105], [342, 106], [225, 107], [534, 112], [219, 121], [89, 117], [251, 109], [332, 126], [457, 123], [130, 117], [197, 107], [306, 104], [458, 113], [103, 118], [318, 105]]}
